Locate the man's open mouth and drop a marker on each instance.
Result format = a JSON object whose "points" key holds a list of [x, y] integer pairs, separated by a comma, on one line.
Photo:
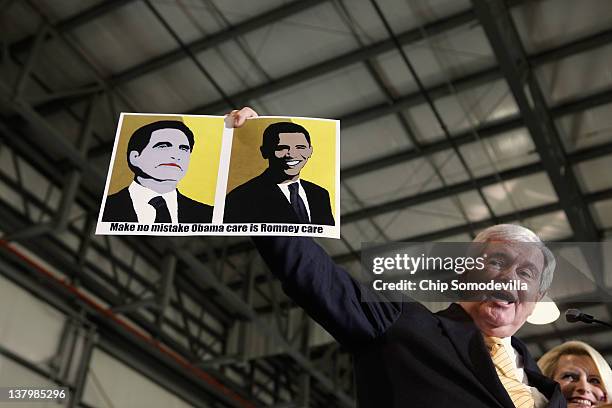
{"points": [[292, 163], [501, 296]]}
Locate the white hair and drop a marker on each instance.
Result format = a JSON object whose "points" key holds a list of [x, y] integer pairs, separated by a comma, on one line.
{"points": [[518, 233]]}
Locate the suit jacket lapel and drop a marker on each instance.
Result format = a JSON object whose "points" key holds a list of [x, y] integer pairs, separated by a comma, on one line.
{"points": [[126, 206], [311, 202], [470, 347], [314, 204], [548, 387], [181, 210]]}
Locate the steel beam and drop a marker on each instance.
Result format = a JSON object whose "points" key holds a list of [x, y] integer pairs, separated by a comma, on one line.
{"points": [[231, 298], [404, 102], [118, 339], [81, 261], [505, 41], [89, 343], [340, 61], [409, 37], [506, 218], [166, 283], [107, 324], [485, 132], [24, 75], [237, 304], [178, 54], [72, 22], [475, 79], [443, 192]]}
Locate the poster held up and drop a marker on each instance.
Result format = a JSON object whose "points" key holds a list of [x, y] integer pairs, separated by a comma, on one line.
{"points": [[193, 175]]}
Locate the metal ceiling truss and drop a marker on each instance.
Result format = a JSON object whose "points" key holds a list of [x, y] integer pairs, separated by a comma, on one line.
{"points": [[125, 300], [499, 27], [171, 57], [495, 17], [485, 131], [46, 137], [187, 305]]}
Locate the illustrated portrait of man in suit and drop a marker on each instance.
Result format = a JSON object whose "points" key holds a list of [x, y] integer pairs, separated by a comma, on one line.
{"points": [[158, 154], [279, 194]]}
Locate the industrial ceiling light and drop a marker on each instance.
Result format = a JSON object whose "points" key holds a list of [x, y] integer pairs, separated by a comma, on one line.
{"points": [[546, 311]]}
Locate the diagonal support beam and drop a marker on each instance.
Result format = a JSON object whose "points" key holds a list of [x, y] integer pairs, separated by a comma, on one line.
{"points": [[178, 54], [72, 22], [48, 137], [506, 218], [440, 90], [505, 41], [444, 192], [24, 75], [340, 61], [486, 132]]}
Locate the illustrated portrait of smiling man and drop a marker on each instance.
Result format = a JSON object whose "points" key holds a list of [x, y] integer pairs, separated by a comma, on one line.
{"points": [[279, 194], [158, 154]]}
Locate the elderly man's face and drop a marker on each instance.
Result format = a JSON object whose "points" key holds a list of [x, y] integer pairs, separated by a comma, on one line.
{"points": [[166, 157], [501, 313], [291, 153]]}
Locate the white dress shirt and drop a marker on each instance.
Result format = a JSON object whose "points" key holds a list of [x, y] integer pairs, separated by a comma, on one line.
{"points": [[539, 399], [146, 212], [285, 189]]}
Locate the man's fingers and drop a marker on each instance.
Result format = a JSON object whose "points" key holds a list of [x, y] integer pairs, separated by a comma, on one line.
{"points": [[240, 116]]}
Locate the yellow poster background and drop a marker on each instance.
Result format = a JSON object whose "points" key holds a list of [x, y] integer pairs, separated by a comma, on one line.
{"points": [[246, 161], [201, 179]]}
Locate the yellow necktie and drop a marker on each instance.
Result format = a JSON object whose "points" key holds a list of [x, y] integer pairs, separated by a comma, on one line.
{"points": [[519, 392]]}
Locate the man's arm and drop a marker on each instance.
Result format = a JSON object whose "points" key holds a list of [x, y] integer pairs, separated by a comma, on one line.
{"points": [[325, 290]]}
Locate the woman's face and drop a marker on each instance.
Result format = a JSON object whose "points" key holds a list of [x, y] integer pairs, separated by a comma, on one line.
{"points": [[580, 381]]}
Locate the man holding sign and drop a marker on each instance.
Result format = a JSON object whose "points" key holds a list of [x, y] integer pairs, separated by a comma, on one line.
{"points": [[406, 356]]}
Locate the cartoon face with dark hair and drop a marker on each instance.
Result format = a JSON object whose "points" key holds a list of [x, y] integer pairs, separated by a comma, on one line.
{"points": [[165, 157], [158, 154], [278, 194], [290, 154]]}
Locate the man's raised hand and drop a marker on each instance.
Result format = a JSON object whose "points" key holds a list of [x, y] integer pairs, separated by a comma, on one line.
{"points": [[237, 118]]}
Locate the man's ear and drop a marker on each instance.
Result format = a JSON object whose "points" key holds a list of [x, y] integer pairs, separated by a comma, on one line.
{"points": [[133, 157], [263, 152]]}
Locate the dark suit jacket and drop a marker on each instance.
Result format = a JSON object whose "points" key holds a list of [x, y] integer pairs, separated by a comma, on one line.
{"points": [[404, 355], [119, 208], [260, 200]]}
